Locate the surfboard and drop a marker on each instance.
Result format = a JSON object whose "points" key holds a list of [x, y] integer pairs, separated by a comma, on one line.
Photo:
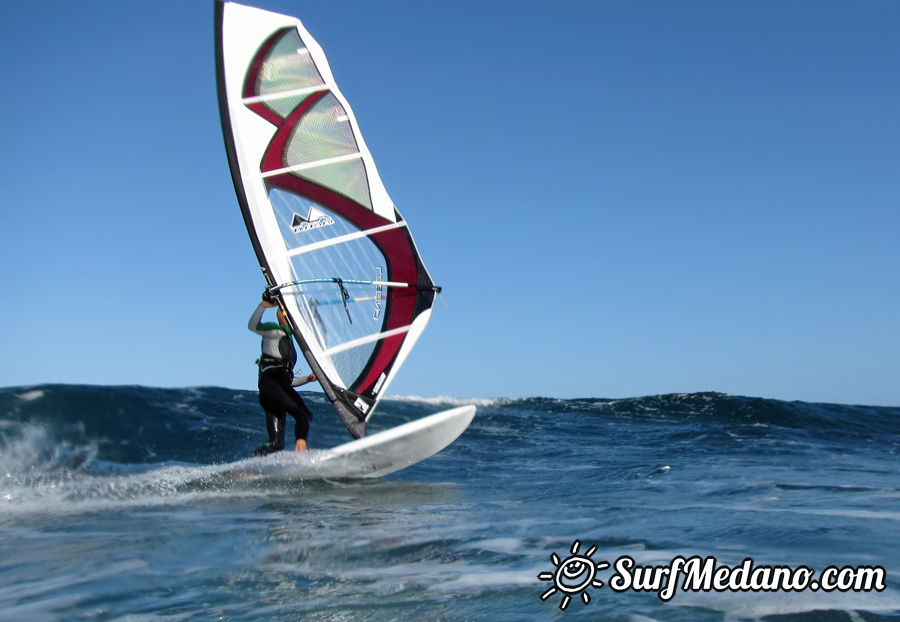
{"points": [[372, 456]]}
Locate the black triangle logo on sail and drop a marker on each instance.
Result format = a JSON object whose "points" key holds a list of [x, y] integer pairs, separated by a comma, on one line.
{"points": [[314, 220]]}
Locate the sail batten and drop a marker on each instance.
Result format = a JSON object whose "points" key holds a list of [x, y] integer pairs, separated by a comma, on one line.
{"points": [[353, 282], [367, 340], [344, 239], [310, 165], [271, 97], [326, 233]]}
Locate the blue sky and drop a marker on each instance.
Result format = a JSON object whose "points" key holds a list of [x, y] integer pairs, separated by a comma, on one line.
{"points": [[618, 198]]}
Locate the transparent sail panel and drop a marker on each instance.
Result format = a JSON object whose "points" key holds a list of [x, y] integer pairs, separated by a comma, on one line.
{"points": [[324, 132], [283, 106], [348, 178], [287, 67], [332, 324], [336, 314]]}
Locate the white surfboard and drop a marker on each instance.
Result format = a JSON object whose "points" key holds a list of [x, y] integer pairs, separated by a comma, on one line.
{"points": [[372, 456]]}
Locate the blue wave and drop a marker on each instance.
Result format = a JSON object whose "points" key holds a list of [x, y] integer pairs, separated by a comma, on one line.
{"points": [[655, 477], [137, 424]]}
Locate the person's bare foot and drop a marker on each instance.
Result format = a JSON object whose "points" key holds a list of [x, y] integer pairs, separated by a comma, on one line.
{"points": [[301, 445]]}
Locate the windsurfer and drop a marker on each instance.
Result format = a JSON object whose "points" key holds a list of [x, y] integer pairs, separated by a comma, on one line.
{"points": [[276, 379]]}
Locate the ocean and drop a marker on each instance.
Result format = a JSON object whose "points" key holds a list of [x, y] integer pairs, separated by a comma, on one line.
{"points": [[544, 509]]}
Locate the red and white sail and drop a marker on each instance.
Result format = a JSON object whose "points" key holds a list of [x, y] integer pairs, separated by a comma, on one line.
{"points": [[326, 233]]}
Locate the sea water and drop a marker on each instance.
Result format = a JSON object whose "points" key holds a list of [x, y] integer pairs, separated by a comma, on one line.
{"points": [[535, 513]]}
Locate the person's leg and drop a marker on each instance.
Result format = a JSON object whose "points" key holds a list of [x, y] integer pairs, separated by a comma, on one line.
{"points": [[302, 417], [275, 427], [277, 395], [275, 424], [272, 401]]}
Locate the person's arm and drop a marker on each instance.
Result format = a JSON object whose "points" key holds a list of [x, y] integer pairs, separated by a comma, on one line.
{"points": [[301, 380], [255, 319]]}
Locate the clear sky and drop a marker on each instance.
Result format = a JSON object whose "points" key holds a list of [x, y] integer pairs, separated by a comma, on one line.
{"points": [[619, 198]]}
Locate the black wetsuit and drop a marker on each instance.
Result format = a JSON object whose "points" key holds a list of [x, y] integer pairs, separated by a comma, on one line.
{"points": [[276, 383]]}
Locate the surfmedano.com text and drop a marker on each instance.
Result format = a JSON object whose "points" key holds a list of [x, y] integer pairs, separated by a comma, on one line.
{"points": [[706, 574]]}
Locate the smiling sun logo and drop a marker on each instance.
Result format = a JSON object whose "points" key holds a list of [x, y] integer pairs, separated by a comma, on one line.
{"points": [[574, 574]]}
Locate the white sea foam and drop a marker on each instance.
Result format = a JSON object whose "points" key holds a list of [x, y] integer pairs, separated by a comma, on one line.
{"points": [[30, 449], [500, 545], [30, 396], [43, 474], [70, 495], [443, 400]]}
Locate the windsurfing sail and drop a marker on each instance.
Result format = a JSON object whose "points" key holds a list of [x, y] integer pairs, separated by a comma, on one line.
{"points": [[326, 234]]}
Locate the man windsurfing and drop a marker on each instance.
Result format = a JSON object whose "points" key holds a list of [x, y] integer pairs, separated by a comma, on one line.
{"points": [[276, 379]]}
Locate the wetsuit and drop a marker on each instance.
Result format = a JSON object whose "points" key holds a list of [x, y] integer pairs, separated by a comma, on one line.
{"points": [[276, 382]]}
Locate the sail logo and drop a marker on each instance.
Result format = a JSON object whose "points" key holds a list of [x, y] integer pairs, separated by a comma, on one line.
{"points": [[315, 219], [379, 293], [377, 388]]}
